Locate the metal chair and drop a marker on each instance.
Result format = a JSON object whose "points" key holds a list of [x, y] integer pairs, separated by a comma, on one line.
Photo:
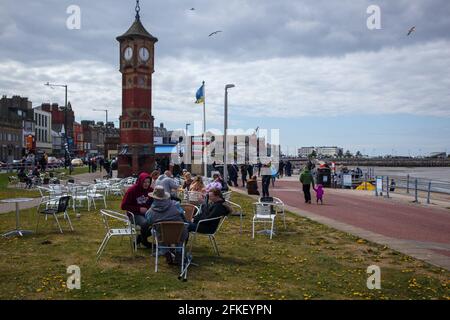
{"points": [[237, 211], [190, 210], [63, 203], [128, 229], [227, 195], [194, 197], [278, 205], [263, 213], [169, 235], [80, 194], [217, 224], [97, 192]]}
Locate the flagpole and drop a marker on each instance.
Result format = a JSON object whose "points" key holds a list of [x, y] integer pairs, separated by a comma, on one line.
{"points": [[205, 170]]}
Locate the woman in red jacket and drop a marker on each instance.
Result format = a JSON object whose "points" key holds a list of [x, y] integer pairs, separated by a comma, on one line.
{"points": [[137, 201]]}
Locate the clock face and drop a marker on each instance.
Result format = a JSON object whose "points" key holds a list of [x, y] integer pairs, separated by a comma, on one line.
{"points": [[128, 54], [144, 54]]}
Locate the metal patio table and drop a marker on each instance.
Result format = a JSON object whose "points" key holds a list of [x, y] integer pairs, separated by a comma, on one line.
{"points": [[17, 231]]}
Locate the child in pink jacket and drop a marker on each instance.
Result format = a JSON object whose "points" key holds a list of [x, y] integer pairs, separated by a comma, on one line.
{"points": [[319, 193]]}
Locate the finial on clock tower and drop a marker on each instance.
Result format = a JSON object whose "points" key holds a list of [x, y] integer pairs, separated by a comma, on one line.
{"points": [[138, 8]]}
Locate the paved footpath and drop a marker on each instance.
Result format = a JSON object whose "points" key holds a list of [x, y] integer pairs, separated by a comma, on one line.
{"points": [[84, 177], [416, 230]]}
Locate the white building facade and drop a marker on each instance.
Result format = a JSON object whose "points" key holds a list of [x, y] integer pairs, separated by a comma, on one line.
{"points": [[43, 130]]}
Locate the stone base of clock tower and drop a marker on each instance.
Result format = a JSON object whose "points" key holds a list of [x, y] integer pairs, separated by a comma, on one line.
{"points": [[134, 162]]}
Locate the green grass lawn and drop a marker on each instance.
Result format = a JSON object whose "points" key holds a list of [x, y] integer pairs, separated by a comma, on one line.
{"points": [[9, 192], [307, 261]]}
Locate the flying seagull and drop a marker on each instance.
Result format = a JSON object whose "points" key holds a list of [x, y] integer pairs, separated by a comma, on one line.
{"points": [[215, 32], [411, 30]]}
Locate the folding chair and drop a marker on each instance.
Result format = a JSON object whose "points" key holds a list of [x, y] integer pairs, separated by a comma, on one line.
{"points": [[168, 235], [128, 229], [264, 213], [63, 203]]}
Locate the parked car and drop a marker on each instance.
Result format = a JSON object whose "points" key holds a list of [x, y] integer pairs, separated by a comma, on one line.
{"points": [[54, 160], [77, 162]]}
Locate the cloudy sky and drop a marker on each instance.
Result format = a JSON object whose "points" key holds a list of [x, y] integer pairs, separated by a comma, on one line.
{"points": [[312, 69]]}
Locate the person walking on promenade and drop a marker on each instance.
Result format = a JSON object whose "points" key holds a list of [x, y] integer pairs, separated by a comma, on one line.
{"points": [[288, 168], [319, 193], [244, 174], [307, 180], [250, 169], [259, 166], [266, 178]]}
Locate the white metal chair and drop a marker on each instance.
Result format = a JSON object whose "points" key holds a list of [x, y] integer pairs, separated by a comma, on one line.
{"points": [[237, 211], [264, 213], [80, 194], [227, 195], [116, 189], [218, 221], [169, 235], [194, 197], [97, 192], [128, 229], [278, 205]]}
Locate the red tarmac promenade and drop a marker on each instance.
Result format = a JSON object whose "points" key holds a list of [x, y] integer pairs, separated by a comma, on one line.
{"points": [[420, 231]]}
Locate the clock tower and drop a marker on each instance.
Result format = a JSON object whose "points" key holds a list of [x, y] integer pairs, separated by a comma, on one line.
{"points": [[136, 151]]}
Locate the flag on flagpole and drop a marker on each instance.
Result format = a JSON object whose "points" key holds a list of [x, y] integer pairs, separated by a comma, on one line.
{"points": [[200, 95]]}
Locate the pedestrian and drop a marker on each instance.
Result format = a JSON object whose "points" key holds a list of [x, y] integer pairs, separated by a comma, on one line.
{"points": [[244, 174], [89, 165], [319, 193], [259, 165], [266, 178], [94, 165], [250, 169], [307, 180], [281, 169], [235, 177]]}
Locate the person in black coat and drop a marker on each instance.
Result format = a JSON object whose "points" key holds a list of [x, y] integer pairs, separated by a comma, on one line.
{"points": [[215, 207]]}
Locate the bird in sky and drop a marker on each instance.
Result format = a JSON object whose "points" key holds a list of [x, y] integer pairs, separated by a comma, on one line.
{"points": [[192, 9], [411, 30], [213, 33]]}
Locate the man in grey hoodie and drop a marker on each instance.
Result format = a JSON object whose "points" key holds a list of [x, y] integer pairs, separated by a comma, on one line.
{"points": [[164, 209]]}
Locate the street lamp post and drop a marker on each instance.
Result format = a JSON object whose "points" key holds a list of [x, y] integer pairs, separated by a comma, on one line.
{"points": [[66, 147], [225, 169], [104, 110]]}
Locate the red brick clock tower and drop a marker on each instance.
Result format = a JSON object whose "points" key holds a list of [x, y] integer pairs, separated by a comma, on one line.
{"points": [[136, 153]]}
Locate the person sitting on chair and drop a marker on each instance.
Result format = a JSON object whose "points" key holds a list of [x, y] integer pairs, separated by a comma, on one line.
{"points": [[252, 186], [164, 209], [215, 207], [169, 184], [137, 201]]}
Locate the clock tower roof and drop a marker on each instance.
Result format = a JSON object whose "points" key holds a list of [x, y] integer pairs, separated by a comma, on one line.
{"points": [[137, 30]]}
